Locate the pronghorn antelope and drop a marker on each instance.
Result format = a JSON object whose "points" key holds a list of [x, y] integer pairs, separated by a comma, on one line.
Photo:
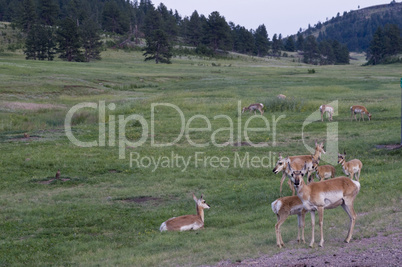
{"points": [[280, 96], [351, 168], [254, 107], [326, 109], [359, 109], [187, 222], [323, 171], [282, 166], [283, 207], [308, 159], [328, 194]]}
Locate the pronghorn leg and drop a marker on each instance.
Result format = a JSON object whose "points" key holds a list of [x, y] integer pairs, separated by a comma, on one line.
{"points": [[300, 220], [282, 180], [348, 207], [281, 220], [312, 213], [358, 174], [321, 222]]}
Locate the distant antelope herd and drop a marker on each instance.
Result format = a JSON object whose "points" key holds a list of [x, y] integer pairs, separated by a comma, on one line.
{"points": [[310, 196]]}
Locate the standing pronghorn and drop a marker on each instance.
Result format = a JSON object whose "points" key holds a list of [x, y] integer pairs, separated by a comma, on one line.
{"points": [[187, 222], [359, 109], [282, 166], [254, 107], [283, 207], [323, 171], [328, 194], [326, 109], [319, 148], [351, 168]]}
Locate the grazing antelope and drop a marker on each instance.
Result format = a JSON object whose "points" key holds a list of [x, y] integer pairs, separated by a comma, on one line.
{"points": [[254, 107], [280, 96], [326, 109], [328, 194], [187, 222], [351, 168], [359, 109], [323, 171], [319, 148], [282, 166], [283, 207]]}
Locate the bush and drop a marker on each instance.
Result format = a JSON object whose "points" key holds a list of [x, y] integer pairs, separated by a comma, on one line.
{"points": [[288, 104]]}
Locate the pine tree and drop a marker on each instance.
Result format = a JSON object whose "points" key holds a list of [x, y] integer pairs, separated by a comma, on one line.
{"points": [[290, 44], [27, 16], [194, 29], [376, 49], [300, 42], [276, 45], [39, 43], [68, 41], [91, 41], [48, 12], [311, 52], [217, 32], [158, 47], [327, 53], [261, 41]]}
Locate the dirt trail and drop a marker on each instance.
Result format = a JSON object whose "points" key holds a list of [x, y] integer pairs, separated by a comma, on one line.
{"points": [[376, 251]]}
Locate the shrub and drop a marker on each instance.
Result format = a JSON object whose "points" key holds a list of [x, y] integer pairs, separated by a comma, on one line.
{"points": [[287, 104]]}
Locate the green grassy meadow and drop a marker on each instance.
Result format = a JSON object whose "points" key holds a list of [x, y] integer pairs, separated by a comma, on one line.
{"points": [[108, 210]]}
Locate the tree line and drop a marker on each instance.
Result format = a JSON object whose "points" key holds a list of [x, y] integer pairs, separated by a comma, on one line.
{"points": [[386, 45], [356, 28], [72, 28]]}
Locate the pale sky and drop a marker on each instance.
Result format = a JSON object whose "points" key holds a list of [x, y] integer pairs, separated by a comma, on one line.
{"points": [[278, 16]]}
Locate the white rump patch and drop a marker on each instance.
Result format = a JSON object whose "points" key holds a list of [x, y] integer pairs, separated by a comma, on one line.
{"points": [[163, 227], [357, 184], [276, 206]]}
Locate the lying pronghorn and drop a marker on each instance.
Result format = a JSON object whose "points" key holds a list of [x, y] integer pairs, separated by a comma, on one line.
{"points": [[323, 171], [319, 148], [351, 168], [326, 109], [283, 207], [359, 109], [282, 166], [254, 107], [280, 96], [187, 222], [328, 194]]}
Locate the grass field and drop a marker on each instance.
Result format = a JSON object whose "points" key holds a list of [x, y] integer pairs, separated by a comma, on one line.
{"points": [[108, 209]]}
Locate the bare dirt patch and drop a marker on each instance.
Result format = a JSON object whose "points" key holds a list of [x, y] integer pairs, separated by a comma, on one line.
{"points": [[389, 147], [141, 199], [381, 250], [28, 106]]}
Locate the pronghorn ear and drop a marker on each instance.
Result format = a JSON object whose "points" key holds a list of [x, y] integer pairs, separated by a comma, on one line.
{"points": [[195, 198], [316, 142]]}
